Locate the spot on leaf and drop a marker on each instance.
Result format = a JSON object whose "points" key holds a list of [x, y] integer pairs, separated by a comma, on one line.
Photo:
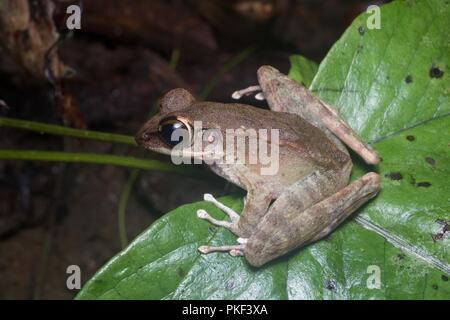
{"points": [[331, 285], [394, 176], [435, 72], [430, 160], [441, 234], [361, 30]]}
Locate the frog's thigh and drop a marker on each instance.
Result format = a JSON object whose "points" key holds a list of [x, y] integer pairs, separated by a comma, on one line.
{"points": [[256, 204], [296, 198], [277, 235]]}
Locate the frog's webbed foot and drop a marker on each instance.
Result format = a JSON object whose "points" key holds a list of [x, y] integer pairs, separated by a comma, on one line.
{"points": [[248, 91], [234, 250]]}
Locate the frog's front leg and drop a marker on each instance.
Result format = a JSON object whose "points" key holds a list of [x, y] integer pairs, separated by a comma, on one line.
{"points": [[234, 250], [234, 217], [255, 207]]}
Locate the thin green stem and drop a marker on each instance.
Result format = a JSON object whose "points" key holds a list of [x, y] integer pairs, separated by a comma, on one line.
{"points": [[130, 162], [175, 56], [173, 63], [124, 196], [64, 131], [49, 241], [123, 207]]}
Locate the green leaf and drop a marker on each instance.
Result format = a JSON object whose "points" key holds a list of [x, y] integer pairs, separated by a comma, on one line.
{"points": [[381, 83], [302, 70], [379, 79]]}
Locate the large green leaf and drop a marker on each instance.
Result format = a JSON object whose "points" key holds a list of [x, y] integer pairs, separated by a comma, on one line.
{"points": [[392, 86]]}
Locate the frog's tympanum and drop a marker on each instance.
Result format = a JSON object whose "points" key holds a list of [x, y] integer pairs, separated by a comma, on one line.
{"points": [[308, 196]]}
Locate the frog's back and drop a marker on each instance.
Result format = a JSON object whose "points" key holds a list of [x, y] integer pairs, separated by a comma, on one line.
{"points": [[323, 148], [303, 148], [296, 135]]}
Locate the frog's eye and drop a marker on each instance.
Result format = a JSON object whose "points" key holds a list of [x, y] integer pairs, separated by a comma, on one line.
{"points": [[174, 131]]}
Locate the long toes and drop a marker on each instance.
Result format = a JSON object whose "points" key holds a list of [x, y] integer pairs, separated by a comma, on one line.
{"points": [[234, 250], [230, 212], [202, 214]]}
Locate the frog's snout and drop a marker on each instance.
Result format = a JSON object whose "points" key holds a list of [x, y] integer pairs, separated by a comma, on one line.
{"points": [[139, 140], [142, 136]]}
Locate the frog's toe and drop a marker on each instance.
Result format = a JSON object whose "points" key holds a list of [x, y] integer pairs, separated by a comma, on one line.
{"points": [[232, 226], [234, 216], [236, 253], [202, 214], [234, 250], [246, 92], [260, 96]]}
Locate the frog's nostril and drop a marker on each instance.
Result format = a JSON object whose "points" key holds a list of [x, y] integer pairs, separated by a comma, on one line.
{"points": [[142, 137], [145, 136]]}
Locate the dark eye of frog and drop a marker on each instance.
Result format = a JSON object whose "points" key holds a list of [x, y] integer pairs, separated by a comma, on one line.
{"points": [[168, 126]]}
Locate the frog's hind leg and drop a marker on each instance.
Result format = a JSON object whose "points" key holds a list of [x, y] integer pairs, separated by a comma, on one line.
{"points": [[308, 225], [348, 200], [285, 95]]}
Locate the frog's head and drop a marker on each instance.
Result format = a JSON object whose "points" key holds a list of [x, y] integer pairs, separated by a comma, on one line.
{"points": [[157, 133], [173, 126]]}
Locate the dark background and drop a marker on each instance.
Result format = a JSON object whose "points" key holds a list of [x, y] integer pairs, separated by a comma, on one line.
{"points": [[53, 215]]}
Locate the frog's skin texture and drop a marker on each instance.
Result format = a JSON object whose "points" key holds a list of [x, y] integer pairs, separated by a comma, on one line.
{"points": [[308, 197]]}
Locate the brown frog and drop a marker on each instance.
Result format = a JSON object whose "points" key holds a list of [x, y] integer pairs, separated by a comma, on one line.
{"points": [[308, 195]]}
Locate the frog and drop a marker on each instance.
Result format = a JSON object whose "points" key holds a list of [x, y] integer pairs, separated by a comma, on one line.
{"points": [[308, 197]]}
